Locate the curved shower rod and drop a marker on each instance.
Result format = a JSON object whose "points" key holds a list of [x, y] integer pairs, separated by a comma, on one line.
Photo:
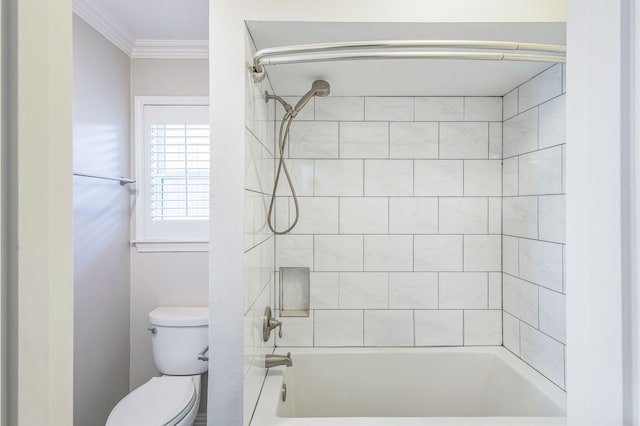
{"points": [[384, 49]]}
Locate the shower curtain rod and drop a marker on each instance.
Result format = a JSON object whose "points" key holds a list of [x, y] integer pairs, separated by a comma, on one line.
{"points": [[384, 50], [123, 181]]}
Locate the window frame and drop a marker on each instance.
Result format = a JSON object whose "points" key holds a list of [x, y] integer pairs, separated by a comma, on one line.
{"points": [[142, 240]]}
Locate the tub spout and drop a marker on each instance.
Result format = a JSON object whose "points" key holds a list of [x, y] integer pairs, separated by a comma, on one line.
{"points": [[275, 360]]}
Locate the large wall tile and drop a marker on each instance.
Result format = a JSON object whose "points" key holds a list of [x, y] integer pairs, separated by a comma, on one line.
{"points": [[439, 109], [387, 108], [483, 108], [552, 130], [294, 250], [510, 104], [313, 139], [482, 252], [338, 328], [482, 178], [520, 216], [520, 299], [510, 177], [541, 263], [339, 108], [464, 140], [338, 252], [318, 215], [552, 218], [540, 172], [338, 178], [364, 215], [482, 328], [520, 134], [364, 290], [413, 290], [543, 353], [301, 172], [438, 328], [388, 252], [540, 88], [553, 314], [388, 328], [463, 290], [388, 178], [413, 140], [463, 216], [364, 140], [324, 288], [413, 215], [437, 253], [439, 177], [511, 333]]}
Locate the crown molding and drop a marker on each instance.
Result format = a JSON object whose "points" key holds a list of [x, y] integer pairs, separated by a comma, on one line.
{"points": [[170, 49], [93, 14]]}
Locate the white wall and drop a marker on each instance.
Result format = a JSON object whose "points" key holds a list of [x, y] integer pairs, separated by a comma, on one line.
{"points": [[101, 225], [534, 223], [163, 279], [227, 89]]}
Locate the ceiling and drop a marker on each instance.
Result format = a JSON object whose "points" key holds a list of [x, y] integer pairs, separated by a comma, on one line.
{"points": [[403, 77]]}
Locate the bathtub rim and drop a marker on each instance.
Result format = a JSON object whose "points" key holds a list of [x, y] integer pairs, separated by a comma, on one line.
{"points": [[265, 410]]}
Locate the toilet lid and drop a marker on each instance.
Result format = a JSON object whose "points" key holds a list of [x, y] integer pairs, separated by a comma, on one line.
{"points": [[162, 401]]}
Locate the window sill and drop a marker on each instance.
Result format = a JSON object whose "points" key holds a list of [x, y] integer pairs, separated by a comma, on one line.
{"points": [[166, 246]]}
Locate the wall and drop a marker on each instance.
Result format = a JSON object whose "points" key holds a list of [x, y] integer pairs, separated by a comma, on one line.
{"points": [[400, 221], [163, 278], [226, 40], [534, 223], [101, 225], [258, 240]]}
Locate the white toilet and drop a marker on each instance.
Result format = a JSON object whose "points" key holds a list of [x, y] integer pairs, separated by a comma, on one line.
{"points": [[180, 351]]}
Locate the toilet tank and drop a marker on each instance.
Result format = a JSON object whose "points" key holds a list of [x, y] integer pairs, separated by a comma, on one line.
{"points": [[178, 336]]}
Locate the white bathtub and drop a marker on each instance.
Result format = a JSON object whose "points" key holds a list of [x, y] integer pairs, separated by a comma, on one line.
{"points": [[407, 387]]}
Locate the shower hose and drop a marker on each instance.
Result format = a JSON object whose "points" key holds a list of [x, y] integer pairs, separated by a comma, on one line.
{"points": [[283, 137]]}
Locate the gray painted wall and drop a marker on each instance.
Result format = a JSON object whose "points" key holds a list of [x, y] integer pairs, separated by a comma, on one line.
{"points": [[101, 127], [164, 279]]}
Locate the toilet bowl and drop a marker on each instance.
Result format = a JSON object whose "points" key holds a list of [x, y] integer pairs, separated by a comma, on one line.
{"points": [[179, 340], [162, 401]]}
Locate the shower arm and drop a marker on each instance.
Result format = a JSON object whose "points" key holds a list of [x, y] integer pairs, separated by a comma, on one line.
{"points": [[288, 108]]}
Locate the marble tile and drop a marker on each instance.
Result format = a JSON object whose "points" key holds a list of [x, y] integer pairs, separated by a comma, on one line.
{"points": [[438, 328], [413, 290], [495, 290], [520, 134], [302, 176], [541, 263], [364, 215], [510, 104], [438, 177], [482, 178], [337, 252], [482, 328], [388, 108], [388, 328], [482, 253], [388, 252], [541, 172], [510, 255], [413, 215], [551, 210], [437, 253], [495, 215], [388, 178], [511, 333], [483, 108], [439, 109], [364, 140], [510, 177], [520, 299], [313, 139], [294, 250], [543, 353], [296, 331], [540, 88], [552, 126], [463, 215], [317, 215], [338, 328], [340, 108], [413, 140], [305, 114], [463, 290], [520, 216], [338, 178], [464, 140], [495, 140], [553, 314], [324, 288], [364, 290]]}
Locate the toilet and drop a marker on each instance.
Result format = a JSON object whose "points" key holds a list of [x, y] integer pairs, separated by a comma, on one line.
{"points": [[180, 350]]}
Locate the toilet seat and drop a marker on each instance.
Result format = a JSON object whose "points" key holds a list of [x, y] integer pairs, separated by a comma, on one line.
{"points": [[162, 401]]}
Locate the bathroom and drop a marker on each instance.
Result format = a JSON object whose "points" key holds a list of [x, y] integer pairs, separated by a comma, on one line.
{"points": [[396, 263]]}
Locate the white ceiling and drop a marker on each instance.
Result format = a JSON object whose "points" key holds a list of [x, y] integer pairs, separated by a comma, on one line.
{"points": [[403, 77], [160, 19]]}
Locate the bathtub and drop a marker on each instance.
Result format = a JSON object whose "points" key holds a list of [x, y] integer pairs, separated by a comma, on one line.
{"points": [[407, 387]]}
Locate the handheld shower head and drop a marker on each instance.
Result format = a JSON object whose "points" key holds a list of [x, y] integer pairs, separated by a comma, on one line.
{"points": [[318, 88]]}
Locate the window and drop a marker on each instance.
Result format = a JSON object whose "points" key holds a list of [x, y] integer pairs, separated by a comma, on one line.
{"points": [[172, 169]]}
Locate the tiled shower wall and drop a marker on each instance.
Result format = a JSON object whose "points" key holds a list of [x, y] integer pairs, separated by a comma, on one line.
{"points": [[258, 241], [533, 223], [400, 221]]}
